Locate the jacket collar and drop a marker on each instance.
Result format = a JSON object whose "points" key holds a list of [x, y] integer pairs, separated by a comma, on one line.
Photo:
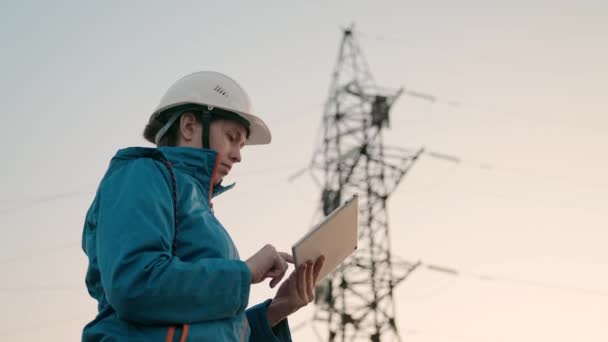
{"points": [[198, 163]]}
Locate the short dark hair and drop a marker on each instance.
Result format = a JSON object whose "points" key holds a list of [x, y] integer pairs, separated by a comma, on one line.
{"points": [[158, 121], [155, 124], [170, 138]]}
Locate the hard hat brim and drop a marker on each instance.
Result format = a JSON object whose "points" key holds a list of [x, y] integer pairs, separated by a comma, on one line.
{"points": [[259, 133]]}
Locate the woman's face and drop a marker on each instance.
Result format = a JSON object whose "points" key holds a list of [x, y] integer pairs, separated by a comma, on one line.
{"points": [[226, 137]]}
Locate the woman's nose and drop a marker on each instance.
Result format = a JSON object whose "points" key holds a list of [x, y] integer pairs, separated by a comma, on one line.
{"points": [[236, 155]]}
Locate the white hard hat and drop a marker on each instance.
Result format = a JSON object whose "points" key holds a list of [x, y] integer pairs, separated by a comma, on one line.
{"points": [[213, 90]]}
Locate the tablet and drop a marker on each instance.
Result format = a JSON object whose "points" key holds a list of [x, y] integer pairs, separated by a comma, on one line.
{"points": [[335, 237]]}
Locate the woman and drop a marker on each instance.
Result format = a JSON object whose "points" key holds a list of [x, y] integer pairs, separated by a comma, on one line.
{"points": [[161, 266]]}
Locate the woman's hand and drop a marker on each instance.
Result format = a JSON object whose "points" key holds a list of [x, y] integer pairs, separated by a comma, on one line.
{"points": [[268, 263], [297, 291]]}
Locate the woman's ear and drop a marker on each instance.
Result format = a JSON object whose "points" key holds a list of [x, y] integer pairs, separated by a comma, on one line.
{"points": [[187, 127]]}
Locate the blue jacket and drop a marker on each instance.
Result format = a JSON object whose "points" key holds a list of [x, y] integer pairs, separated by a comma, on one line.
{"points": [[154, 282]]}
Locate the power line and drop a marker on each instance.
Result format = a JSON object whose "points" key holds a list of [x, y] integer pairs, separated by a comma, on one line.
{"points": [[523, 282], [68, 245], [434, 99], [45, 252], [485, 166], [42, 288], [31, 203], [511, 170], [35, 327], [381, 37], [44, 199], [431, 267]]}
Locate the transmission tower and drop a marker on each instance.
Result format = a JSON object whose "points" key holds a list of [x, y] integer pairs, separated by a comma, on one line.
{"points": [[355, 302]]}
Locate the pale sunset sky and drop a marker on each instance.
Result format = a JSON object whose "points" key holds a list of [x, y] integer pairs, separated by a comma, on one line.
{"points": [[80, 79]]}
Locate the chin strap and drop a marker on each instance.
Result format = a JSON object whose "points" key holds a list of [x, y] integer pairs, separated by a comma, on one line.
{"points": [[206, 118]]}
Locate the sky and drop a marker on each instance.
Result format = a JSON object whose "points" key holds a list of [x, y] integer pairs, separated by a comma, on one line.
{"points": [[526, 205]]}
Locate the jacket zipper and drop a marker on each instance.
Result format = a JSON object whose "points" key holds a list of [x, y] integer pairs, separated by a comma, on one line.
{"points": [[245, 323], [171, 333], [217, 160], [185, 330]]}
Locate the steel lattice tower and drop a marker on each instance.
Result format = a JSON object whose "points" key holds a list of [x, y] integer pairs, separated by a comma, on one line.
{"points": [[355, 302]]}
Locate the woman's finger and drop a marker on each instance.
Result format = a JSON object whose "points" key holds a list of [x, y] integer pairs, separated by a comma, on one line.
{"points": [[284, 264], [273, 273], [317, 268], [301, 282], [276, 280], [279, 264], [278, 269], [293, 281], [310, 290], [287, 257]]}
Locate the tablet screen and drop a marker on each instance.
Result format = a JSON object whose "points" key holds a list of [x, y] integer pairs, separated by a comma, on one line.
{"points": [[335, 237]]}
